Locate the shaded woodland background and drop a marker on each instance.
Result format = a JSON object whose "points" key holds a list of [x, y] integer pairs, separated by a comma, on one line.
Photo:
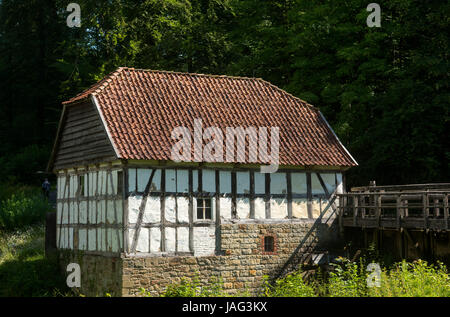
{"points": [[383, 90]]}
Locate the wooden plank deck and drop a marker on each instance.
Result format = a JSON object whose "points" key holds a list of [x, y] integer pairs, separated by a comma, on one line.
{"points": [[395, 207]]}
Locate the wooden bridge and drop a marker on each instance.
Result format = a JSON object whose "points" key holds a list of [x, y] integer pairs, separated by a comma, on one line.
{"points": [[421, 206]]}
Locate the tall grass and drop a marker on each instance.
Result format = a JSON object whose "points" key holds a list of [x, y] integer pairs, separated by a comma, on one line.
{"points": [[347, 279]]}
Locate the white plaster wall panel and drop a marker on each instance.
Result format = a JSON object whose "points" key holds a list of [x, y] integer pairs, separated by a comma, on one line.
{"points": [[119, 208], [194, 207], [59, 207], [70, 186], [330, 181], [95, 211], [92, 183], [169, 209], [58, 187], [109, 233], [243, 182], [243, 208], [316, 207], [101, 211], [132, 180], [183, 239], [183, 209], [225, 207], [92, 239], [133, 208], [142, 242], [299, 208], [63, 238], [316, 187], [299, 185], [103, 181], [260, 183], [340, 187], [113, 189], [82, 239], [73, 219], [65, 213], [143, 176], [86, 184], [204, 241], [155, 240], [278, 208], [152, 211], [209, 181], [75, 185], [70, 246], [182, 181], [278, 183], [260, 208], [110, 212], [82, 218], [170, 239], [171, 181], [156, 181], [101, 239], [115, 240], [225, 182], [91, 210], [194, 180]]}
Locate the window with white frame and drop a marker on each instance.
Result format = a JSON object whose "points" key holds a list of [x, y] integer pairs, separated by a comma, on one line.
{"points": [[204, 210]]}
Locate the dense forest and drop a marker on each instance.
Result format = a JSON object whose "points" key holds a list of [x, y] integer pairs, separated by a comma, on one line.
{"points": [[384, 89]]}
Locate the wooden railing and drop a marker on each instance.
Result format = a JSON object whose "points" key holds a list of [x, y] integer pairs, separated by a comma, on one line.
{"points": [[378, 208]]}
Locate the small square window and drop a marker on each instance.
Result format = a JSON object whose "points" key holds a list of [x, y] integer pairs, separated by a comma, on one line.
{"points": [[204, 208], [269, 244]]}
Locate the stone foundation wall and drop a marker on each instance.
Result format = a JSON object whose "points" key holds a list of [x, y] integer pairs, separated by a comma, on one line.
{"points": [[241, 267], [100, 274]]}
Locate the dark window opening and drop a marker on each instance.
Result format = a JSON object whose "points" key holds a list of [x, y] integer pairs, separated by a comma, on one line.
{"points": [[204, 208], [119, 182], [81, 185], [269, 244]]}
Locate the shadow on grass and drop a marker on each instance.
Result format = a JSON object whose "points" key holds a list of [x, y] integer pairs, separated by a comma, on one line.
{"points": [[30, 274]]}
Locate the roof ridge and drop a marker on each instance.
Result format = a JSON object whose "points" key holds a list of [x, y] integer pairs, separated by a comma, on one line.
{"points": [[190, 74]]}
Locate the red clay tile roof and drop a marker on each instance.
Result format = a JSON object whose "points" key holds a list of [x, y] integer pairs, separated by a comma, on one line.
{"points": [[141, 108]]}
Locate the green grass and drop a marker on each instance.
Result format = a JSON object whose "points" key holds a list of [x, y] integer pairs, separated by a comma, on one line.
{"points": [[24, 270]]}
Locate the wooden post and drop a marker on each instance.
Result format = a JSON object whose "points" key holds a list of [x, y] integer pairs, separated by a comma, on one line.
{"points": [[341, 213], [426, 210], [399, 210], [378, 209], [355, 209], [446, 210]]}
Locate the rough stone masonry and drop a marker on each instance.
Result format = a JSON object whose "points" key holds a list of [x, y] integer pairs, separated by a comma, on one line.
{"points": [[240, 268]]}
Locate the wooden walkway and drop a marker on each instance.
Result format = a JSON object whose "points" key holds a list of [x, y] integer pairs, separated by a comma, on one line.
{"points": [[419, 206]]}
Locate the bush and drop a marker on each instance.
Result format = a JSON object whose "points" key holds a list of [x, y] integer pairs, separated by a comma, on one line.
{"points": [[417, 279], [22, 209], [292, 285]]}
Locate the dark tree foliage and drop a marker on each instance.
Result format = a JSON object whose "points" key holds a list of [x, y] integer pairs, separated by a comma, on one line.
{"points": [[384, 90]]}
